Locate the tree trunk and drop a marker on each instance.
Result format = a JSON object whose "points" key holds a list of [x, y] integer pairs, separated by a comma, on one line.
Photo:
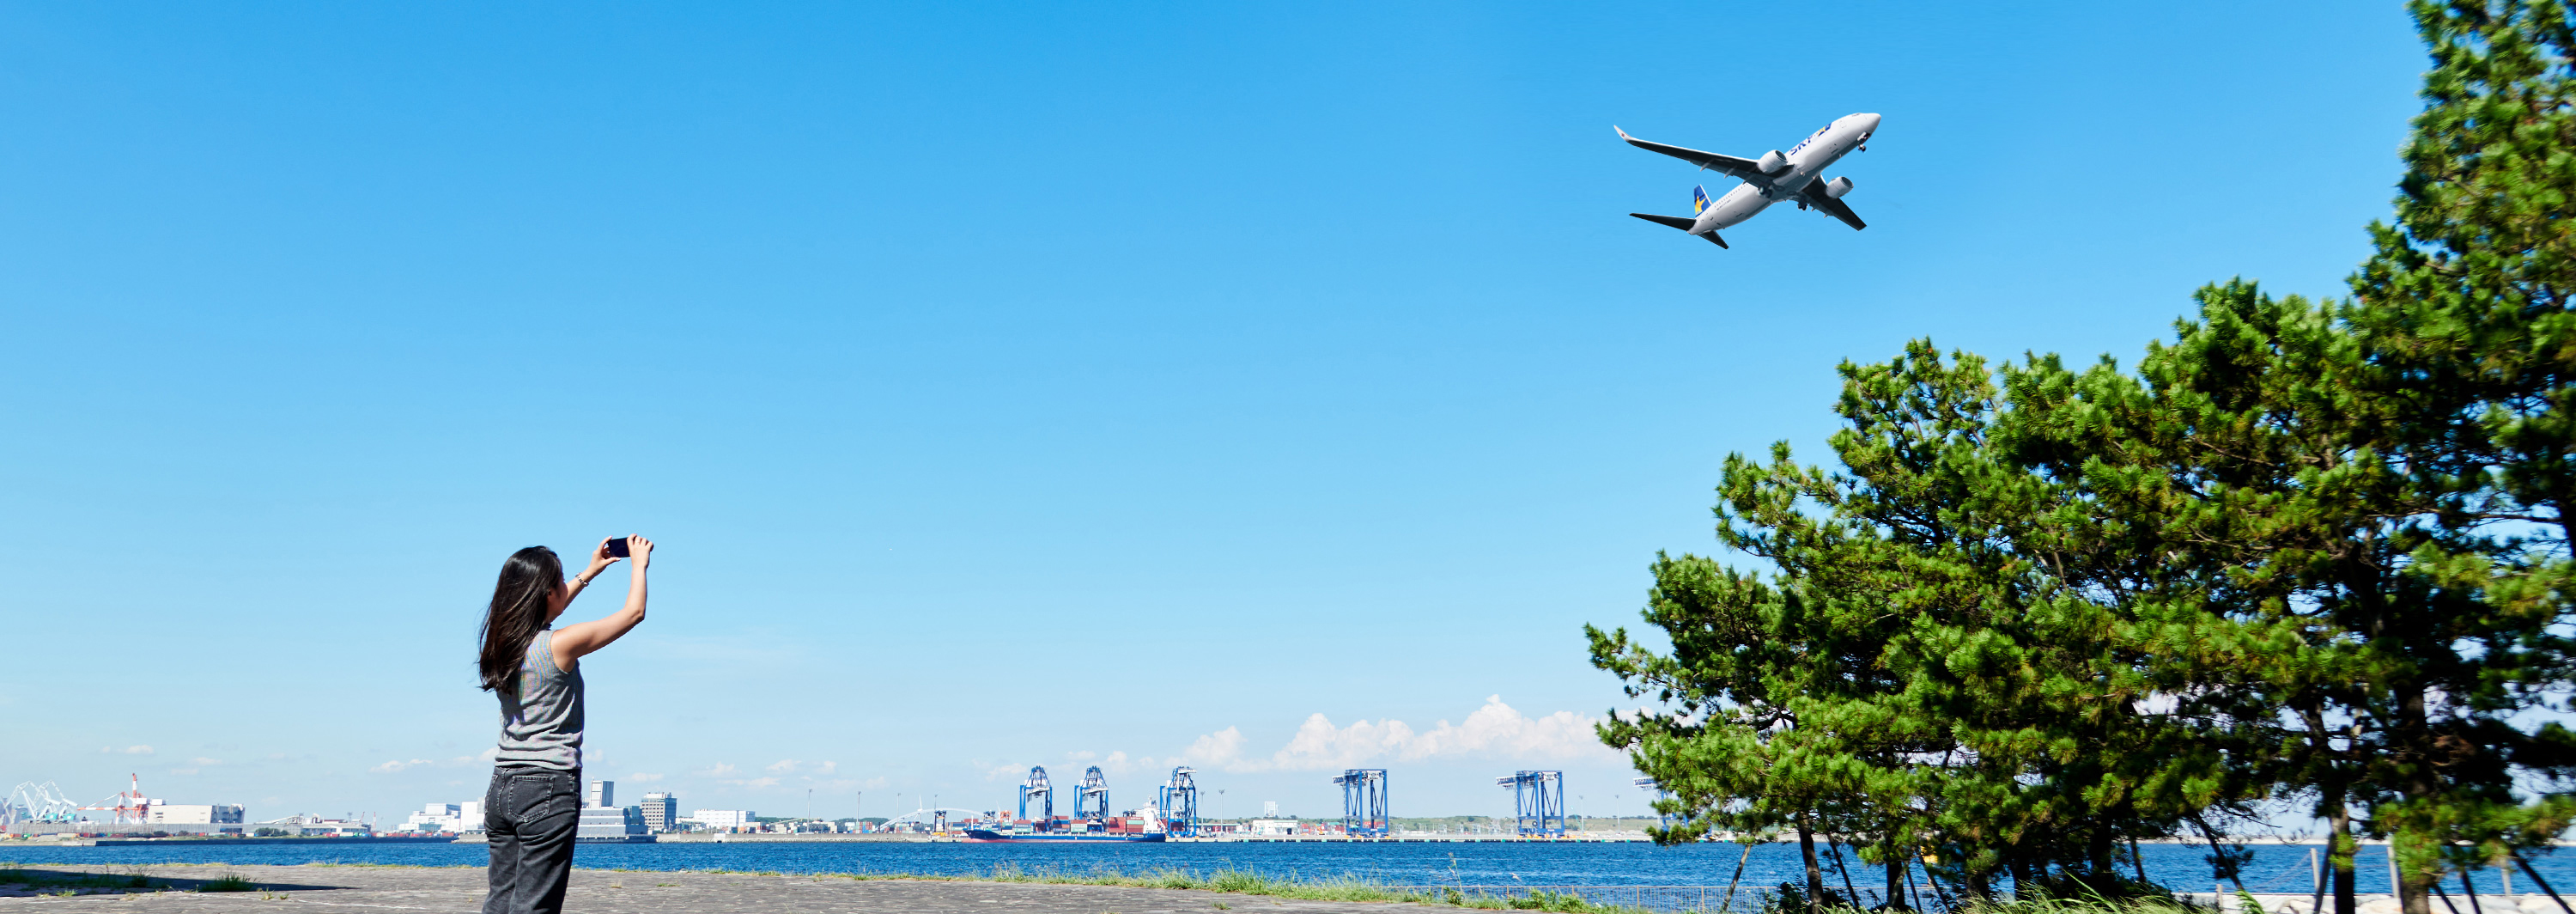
{"points": [[1898, 868], [2414, 729], [2340, 848], [1815, 871], [2413, 895]]}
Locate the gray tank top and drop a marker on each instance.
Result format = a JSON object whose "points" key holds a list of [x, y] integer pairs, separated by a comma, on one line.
{"points": [[541, 726]]}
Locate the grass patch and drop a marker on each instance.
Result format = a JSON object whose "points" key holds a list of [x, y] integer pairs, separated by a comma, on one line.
{"points": [[2090, 906], [228, 882], [1247, 882], [71, 883]]}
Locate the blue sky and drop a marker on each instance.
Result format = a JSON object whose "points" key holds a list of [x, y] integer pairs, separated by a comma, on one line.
{"points": [[1013, 385]]}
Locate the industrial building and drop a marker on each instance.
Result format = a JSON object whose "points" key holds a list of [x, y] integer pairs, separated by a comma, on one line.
{"points": [[661, 812], [182, 814]]}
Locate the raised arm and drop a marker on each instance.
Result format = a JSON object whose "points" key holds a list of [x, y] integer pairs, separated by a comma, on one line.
{"points": [[573, 641]]}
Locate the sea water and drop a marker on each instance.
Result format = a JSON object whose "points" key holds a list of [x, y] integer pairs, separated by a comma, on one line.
{"points": [[2276, 868]]}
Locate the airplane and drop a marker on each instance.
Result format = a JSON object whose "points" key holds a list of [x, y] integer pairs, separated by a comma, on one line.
{"points": [[1796, 175]]}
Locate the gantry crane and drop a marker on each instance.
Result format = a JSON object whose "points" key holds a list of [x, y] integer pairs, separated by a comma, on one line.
{"points": [[1363, 801], [1538, 800], [1093, 805], [1039, 788], [1181, 804]]}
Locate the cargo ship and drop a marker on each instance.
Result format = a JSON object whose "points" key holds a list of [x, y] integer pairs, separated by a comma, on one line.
{"points": [[1083, 837]]}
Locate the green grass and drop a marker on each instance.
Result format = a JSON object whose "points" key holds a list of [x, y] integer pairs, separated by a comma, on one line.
{"points": [[228, 882], [71, 883], [1245, 882], [2088, 906]]}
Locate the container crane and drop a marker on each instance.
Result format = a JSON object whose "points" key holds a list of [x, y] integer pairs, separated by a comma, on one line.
{"points": [[1039, 788], [129, 805], [1181, 804], [1093, 805], [1538, 800], [1363, 801]]}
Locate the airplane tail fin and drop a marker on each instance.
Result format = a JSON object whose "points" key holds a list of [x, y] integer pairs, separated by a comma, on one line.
{"points": [[1699, 199]]}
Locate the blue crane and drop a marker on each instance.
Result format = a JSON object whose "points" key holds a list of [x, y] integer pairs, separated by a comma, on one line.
{"points": [[1038, 787], [1661, 817], [1181, 804], [1093, 804], [1538, 800], [1363, 801]]}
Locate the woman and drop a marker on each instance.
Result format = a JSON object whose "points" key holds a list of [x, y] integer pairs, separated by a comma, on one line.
{"points": [[533, 808]]}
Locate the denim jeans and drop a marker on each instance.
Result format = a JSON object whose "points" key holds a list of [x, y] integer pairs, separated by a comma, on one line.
{"points": [[531, 815]]}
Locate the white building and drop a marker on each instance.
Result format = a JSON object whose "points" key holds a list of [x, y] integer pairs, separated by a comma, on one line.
{"points": [[447, 817], [725, 818], [603, 795], [609, 823], [182, 814], [1272, 826]]}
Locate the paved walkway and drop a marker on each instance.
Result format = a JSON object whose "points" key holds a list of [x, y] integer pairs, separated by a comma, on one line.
{"points": [[363, 890]]}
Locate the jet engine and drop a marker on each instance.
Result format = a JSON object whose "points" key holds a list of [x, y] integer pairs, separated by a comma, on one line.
{"points": [[1838, 187], [1772, 162]]}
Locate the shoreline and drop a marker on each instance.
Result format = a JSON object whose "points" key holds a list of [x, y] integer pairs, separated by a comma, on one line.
{"points": [[189, 888]]}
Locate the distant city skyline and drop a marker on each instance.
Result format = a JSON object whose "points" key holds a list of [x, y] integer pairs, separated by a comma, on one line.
{"points": [[1272, 390]]}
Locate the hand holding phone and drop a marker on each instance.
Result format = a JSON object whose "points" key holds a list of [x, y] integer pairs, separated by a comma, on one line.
{"points": [[615, 548]]}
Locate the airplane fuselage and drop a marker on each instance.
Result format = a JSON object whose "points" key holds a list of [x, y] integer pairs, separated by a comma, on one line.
{"points": [[1806, 160]]}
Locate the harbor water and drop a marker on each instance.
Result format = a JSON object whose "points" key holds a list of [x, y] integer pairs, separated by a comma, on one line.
{"points": [[2276, 869]]}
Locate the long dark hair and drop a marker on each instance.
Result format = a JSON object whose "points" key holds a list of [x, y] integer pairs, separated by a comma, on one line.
{"points": [[518, 613]]}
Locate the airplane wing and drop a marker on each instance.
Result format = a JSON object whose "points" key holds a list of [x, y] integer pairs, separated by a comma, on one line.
{"points": [[1814, 194], [1740, 169]]}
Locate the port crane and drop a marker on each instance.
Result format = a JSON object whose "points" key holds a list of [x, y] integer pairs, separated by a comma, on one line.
{"points": [[1039, 788], [1661, 817], [1538, 801], [35, 802], [1181, 803], [1093, 805], [1363, 801], [129, 805]]}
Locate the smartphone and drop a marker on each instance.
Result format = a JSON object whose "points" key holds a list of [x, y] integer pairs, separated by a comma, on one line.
{"points": [[617, 548]]}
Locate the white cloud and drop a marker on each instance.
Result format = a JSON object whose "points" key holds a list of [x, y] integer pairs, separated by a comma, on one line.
{"points": [[1083, 756], [643, 778], [752, 782], [1319, 745], [1496, 730], [394, 766], [720, 770], [785, 764], [1221, 749], [204, 761], [130, 750]]}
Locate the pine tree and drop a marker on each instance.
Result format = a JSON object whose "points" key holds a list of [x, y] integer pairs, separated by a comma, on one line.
{"points": [[2464, 317]]}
